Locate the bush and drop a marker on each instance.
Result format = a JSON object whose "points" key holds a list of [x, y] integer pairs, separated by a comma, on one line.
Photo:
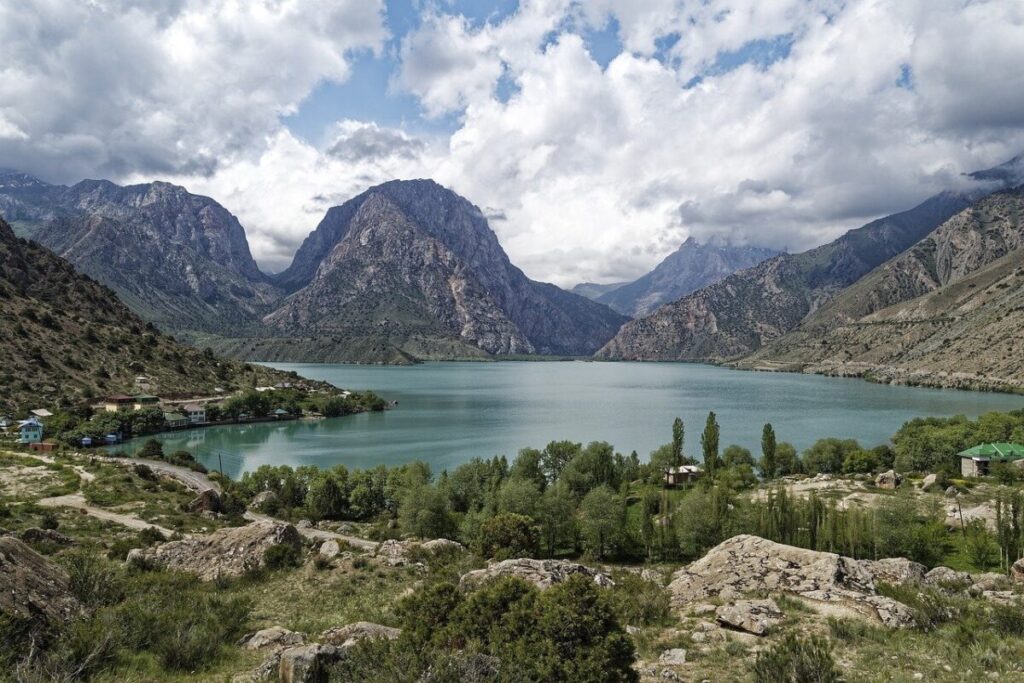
{"points": [[152, 449], [509, 535], [49, 520], [93, 581], [281, 556], [797, 660]]}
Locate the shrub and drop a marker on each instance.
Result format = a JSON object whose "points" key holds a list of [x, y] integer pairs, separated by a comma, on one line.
{"points": [[797, 660], [144, 472], [93, 581], [1008, 620], [509, 535], [281, 556], [49, 520], [638, 602], [152, 449]]}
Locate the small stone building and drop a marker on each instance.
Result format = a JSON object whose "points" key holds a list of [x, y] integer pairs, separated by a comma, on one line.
{"points": [[682, 475], [975, 462]]}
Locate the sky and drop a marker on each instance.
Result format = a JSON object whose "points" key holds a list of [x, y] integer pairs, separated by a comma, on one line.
{"points": [[596, 136]]}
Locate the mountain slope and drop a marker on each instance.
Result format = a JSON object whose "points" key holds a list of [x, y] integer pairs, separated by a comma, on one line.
{"points": [[685, 270], [177, 259], [410, 269], [946, 312], [739, 314], [593, 290], [67, 338]]}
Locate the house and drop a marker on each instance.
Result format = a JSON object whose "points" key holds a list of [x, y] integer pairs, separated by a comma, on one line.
{"points": [[684, 474], [30, 430], [975, 462], [175, 420], [86, 441], [118, 402], [279, 413], [196, 413], [41, 413], [112, 439], [144, 401]]}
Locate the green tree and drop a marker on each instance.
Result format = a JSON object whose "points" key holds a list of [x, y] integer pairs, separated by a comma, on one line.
{"points": [[678, 435], [556, 514], [556, 456], [152, 449], [602, 519], [509, 535], [827, 455], [709, 443], [423, 512], [325, 499], [520, 496], [769, 464]]}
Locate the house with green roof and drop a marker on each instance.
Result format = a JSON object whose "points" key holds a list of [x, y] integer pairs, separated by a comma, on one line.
{"points": [[975, 462]]}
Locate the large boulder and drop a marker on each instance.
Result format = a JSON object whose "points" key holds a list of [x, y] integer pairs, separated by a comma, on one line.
{"points": [[541, 573], [37, 535], [749, 564], [944, 577], [895, 570], [1017, 571], [308, 663], [753, 616], [929, 481], [261, 499], [206, 501], [273, 637], [350, 634], [33, 586], [224, 553], [888, 480]]}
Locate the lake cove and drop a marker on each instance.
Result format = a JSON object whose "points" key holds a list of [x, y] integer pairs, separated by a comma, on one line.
{"points": [[448, 413]]}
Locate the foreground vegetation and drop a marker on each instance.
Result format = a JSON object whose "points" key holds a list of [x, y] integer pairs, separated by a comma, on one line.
{"points": [[567, 500]]}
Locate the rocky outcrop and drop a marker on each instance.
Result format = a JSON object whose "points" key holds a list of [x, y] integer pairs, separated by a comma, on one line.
{"points": [[37, 535], [1017, 571], [888, 480], [308, 663], [206, 501], [351, 634], [397, 553], [226, 552], [33, 586], [685, 270], [409, 269], [753, 616], [748, 564], [273, 637], [541, 573], [895, 570]]}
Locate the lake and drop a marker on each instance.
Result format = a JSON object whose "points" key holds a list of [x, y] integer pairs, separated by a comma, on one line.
{"points": [[451, 412]]}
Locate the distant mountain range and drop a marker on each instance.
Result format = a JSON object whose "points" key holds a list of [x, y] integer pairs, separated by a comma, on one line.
{"points": [[407, 270], [685, 270], [68, 338]]}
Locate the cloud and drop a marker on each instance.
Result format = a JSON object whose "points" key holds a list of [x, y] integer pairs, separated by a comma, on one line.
{"points": [[354, 141], [113, 87]]}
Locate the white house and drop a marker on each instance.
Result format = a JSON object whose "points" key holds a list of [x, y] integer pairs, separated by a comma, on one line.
{"points": [[196, 413]]}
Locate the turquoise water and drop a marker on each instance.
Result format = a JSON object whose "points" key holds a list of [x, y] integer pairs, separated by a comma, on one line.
{"points": [[450, 412]]}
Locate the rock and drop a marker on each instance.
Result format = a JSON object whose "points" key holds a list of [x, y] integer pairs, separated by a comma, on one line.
{"points": [[752, 616], [37, 535], [330, 549], [895, 570], [888, 480], [1017, 571], [396, 553], [652, 575], [541, 573], [748, 564], [951, 492], [350, 634], [1009, 598], [32, 585], [944, 577], [304, 524], [308, 663], [276, 637], [207, 501], [989, 581], [226, 552], [929, 481], [674, 657], [632, 630], [261, 499]]}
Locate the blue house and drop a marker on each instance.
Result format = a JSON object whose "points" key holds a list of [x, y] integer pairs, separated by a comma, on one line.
{"points": [[31, 430]]}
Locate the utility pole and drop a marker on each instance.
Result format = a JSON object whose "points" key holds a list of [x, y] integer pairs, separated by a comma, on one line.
{"points": [[220, 464]]}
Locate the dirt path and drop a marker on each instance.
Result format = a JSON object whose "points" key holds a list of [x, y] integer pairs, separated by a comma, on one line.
{"points": [[77, 502]]}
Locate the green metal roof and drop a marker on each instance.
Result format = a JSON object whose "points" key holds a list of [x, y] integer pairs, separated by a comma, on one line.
{"points": [[174, 417], [998, 451]]}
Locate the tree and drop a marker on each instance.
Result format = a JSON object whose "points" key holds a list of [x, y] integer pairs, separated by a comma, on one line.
{"points": [[769, 463], [556, 456], [827, 455], [556, 514], [786, 460], [325, 499], [509, 535], [520, 496], [152, 449], [709, 443], [736, 456], [678, 435], [602, 519], [423, 512], [861, 462], [527, 465]]}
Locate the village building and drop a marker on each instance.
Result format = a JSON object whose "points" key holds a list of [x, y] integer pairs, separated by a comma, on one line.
{"points": [[175, 420], [41, 413], [118, 402], [279, 413], [682, 475], [30, 430], [977, 461], [196, 413], [144, 401]]}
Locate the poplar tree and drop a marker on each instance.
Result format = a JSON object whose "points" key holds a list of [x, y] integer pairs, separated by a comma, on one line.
{"points": [[678, 434], [709, 443], [769, 464]]}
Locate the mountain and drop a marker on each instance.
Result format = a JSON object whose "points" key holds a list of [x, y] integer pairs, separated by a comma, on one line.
{"points": [[409, 269], [177, 259], [737, 315], [685, 270], [947, 312], [68, 338]]}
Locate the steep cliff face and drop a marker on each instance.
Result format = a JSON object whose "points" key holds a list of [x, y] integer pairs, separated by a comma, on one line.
{"points": [[739, 314], [946, 312], [685, 270], [178, 259], [409, 266]]}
